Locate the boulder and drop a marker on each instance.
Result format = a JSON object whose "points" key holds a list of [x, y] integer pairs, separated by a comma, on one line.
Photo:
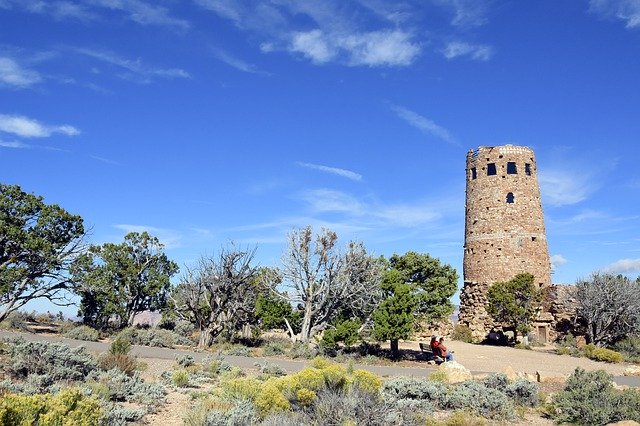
{"points": [[455, 372], [550, 378], [510, 373]]}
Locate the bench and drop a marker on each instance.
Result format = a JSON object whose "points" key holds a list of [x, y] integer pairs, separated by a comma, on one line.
{"points": [[425, 348]]}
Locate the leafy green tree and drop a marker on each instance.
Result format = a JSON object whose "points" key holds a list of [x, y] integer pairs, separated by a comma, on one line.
{"points": [[345, 331], [38, 242], [117, 281], [273, 312], [515, 302], [417, 287], [394, 318]]}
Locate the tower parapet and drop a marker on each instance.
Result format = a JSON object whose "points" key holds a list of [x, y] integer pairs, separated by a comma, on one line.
{"points": [[504, 227]]}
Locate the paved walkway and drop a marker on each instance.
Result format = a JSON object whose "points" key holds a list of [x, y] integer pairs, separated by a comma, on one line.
{"points": [[477, 358]]}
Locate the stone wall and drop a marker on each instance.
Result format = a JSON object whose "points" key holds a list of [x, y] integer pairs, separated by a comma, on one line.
{"points": [[504, 227]]}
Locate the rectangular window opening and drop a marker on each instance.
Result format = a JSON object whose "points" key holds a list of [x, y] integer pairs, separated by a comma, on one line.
{"points": [[473, 173], [511, 168], [527, 169], [491, 169]]}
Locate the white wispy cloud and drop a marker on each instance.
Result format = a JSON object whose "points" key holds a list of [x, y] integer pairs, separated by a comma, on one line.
{"points": [[376, 48], [334, 37], [14, 145], [16, 76], [138, 11], [370, 214], [234, 62], [144, 13], [564, 187], [29, 128], [332, 170], [557, 260], [467, 13], [625, 10], [135, 67], [456, 49], [624, 266], [168, 237], [424, 124]]}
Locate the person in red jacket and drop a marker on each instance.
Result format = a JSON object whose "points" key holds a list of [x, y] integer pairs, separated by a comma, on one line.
{"points": [[434, 344], [442, 351]]}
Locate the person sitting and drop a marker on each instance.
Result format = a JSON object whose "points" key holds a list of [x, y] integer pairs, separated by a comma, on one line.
{"points": [[442, 352], [434, 344]]}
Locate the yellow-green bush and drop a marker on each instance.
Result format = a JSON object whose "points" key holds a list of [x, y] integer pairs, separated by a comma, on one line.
{"points": [[309, 378], [306, 397], [320, 363], [180, 378], [270, 399], [366, 381], [335, 376], [68, 408], [243, 388], [602, 354]]}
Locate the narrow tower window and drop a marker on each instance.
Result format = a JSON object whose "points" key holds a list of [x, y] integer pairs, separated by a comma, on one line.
{"points": [[510, 198], [527, 169], [473, 173], [511, 168], [491, 169]]}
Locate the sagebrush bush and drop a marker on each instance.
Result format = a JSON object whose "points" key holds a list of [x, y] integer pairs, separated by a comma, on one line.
{"points": [[67, 408], [270, 369], [602, 354], [474, 396], [497, 381], [462, 333], [83, 332], [126, 363], [185, 360], [274, 348], [589, 398], [213, 366], [523, 392], [238, 351], [56, 360], [412, 388], [124, 388], [351, 408]]}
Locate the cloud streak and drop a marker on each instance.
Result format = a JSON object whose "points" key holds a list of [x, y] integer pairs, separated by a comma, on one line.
{"points": [[133, 67], [332, 170], [13, 75], [425, 125], [564, 187], [480, 52], [234, 62], [625, 10], [29, 128]]}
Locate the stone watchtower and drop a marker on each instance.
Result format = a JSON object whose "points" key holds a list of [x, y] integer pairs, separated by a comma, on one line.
{"points": [[504, 228]]}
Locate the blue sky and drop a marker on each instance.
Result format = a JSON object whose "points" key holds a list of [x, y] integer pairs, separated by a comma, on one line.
{"points": [[210, 121]]}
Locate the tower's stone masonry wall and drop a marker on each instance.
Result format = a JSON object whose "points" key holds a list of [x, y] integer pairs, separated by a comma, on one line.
{"points": [[504, 227]]}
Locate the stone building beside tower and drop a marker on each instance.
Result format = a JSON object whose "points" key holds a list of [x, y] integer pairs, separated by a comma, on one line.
{"points": [[504, 231]]}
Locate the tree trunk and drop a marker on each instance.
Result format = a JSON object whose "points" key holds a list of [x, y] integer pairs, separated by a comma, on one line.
{"points": [[394, 347], [206, 338], [306, 324]]}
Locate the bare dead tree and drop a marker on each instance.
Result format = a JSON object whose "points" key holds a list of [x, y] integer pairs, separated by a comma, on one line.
{"points": [[219, 294], [325, 283], [610, 307]]}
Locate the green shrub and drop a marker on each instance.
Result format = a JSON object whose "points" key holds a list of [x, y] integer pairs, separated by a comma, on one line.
{"points": [[68, 408], [83, 332], [602, 354], [479, 399], [15, 321], [213, 366], [630, 348], [334, 407], [462, 333], [125, 363], [302, 350], [238, 350], [180, 378], [121, 345], [346, 332], [123, 388], [185, 361], [270, 369], [56, 360], [274, 348], [590, 398]]}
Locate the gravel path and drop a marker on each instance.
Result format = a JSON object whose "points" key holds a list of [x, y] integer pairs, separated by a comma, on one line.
{"points": [[477, 358]]}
